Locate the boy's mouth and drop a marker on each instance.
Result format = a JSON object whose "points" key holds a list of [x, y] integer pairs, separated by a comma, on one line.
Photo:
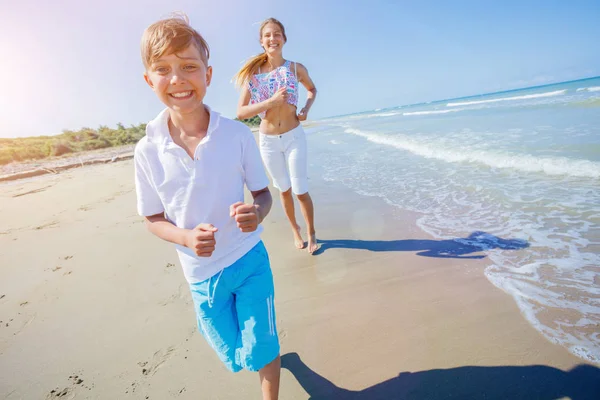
{"points": [[181, 95]]}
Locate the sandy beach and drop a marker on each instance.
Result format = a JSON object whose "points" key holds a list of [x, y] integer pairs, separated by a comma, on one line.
{"points": [[92, 306]]}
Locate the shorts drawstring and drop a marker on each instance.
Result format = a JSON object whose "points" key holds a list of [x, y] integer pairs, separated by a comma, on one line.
{"points": [[212, 298]]}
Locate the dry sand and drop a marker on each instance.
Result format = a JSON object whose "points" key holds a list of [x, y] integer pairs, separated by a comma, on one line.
{"points": [[92, 306]]}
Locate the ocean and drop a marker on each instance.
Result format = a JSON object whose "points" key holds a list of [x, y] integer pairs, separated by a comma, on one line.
{"points": [[515, 173]]}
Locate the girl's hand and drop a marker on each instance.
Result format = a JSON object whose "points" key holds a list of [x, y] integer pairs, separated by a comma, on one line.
{"points": [[303, 114], [279, 98]]}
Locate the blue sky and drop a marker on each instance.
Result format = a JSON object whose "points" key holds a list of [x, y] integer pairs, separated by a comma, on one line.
{"points": [[67, 64]]}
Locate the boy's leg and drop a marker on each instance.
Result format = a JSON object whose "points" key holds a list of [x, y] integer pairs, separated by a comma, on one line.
{"points": [[258, 349], [269, 379], [217, 316]]}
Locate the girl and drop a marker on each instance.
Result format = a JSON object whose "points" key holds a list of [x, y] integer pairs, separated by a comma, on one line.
{"points": [[269, 88]]}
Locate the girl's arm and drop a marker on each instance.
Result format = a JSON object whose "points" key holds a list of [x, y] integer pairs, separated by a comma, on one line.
{"points": [[304, 78]]}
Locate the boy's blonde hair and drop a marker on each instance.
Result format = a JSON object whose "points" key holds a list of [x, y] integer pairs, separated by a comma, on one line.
{"points": [[171, 35]]}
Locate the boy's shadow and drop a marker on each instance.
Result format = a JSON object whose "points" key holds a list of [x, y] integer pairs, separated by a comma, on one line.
{"points": [[464, 383], [452, 248]]}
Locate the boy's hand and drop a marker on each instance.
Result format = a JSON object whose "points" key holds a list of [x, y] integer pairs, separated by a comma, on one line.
{"points": [[201, 239], [246, 216]]}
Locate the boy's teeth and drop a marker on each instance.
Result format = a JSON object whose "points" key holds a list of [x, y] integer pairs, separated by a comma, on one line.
{"points": [[182, 94]]}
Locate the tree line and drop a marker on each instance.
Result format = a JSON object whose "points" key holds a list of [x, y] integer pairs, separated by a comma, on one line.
{"points": [[40, 147]]}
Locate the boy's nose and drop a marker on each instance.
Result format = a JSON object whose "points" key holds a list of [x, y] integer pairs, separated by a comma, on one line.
{"points": [[175, 79]]}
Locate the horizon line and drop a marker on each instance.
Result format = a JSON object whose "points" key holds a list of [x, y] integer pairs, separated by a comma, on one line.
{"points": [[464, 97]]}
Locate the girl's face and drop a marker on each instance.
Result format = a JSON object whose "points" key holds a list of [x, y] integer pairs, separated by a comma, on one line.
{"points": [[272, 39]]}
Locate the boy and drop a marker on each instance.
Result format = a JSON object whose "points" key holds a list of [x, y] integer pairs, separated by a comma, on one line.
{"points": [[190, 171]]}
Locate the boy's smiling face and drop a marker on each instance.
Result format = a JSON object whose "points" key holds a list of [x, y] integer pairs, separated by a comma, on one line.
{"points": [[180, 80]]}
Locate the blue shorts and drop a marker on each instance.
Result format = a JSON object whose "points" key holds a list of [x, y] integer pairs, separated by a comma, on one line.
{"points": [[235, 312]]}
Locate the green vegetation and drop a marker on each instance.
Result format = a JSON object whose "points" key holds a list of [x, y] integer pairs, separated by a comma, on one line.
{"points": [[35, 148], [251, 122], [40, 147]]}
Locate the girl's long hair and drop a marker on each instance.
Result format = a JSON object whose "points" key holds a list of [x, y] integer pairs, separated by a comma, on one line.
{"points": [[251, 66]]}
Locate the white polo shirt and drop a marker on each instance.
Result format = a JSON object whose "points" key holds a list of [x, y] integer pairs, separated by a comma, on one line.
{"points": [[200, 190]]}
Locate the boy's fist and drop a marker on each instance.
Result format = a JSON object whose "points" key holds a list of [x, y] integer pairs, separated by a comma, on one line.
{"points": [[201, 239], [246, 216]]}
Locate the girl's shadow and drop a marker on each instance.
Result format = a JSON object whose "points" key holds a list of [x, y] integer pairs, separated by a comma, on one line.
{"points": [[464, 383], [451, 248]]}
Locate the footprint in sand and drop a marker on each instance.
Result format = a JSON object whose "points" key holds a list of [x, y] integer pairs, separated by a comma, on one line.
{"points": [[32, 191], [58, 267], [47, 225], [180, 294], [56, 393], [158, 359], [22, 321], [133, 387], [109, 199], [76, 383]]}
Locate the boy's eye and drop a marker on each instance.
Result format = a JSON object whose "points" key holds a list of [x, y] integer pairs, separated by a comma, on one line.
{"points": [[189, 67], [162, 70]]}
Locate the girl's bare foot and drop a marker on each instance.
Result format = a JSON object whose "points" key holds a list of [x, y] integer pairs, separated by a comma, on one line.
{"points": [[298, 241], [312, 244]]}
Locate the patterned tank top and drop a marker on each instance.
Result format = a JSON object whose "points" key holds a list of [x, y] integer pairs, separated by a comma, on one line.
{"points": [[264, 86]]}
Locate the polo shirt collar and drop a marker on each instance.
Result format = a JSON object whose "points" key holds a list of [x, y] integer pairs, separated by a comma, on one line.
{"points": [[158, 129]]}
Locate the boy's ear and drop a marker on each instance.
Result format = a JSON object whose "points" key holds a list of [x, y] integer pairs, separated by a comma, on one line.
{"points": [[208, 75], [148, 81]]}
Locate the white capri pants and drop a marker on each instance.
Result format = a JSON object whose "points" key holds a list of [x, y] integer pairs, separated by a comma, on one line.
{"points": [[285, 158]]}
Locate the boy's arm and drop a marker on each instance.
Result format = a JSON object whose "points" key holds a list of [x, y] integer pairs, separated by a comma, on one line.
{"points": [[249, 216], [166, 230], [201, 239], [262, 202]]}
